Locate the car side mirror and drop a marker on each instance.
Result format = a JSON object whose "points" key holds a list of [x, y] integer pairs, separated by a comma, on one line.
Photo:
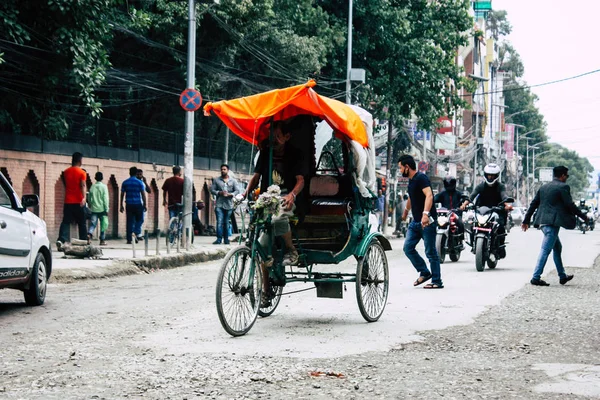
{"points": [[30, 200]]}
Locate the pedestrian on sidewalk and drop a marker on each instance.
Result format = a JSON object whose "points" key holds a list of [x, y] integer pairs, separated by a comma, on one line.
{"points": [[224, 188], [173, 189], [380, 207], [73, 210], [141, 177], [423, 226], [133, 191], [556, 210], [98, 201]]}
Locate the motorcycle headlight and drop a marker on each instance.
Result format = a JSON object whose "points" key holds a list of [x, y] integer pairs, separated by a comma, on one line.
{"points": [[442, 220], [482, 219]]}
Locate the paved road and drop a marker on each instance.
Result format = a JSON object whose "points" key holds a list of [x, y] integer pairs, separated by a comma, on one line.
{"points": [[98, 329]]}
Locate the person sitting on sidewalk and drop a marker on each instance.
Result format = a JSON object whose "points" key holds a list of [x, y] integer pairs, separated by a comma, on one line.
{"points": [[98, 201]]}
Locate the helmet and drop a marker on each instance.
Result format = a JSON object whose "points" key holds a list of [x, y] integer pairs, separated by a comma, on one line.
{"points": [[450, 183], [491, 173]]}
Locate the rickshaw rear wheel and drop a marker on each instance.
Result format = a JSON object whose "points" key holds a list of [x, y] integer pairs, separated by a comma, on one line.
{"points": [[239, 287], [372, 282]]}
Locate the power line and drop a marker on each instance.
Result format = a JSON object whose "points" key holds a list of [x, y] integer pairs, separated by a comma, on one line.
{"points": [[537, 85]]}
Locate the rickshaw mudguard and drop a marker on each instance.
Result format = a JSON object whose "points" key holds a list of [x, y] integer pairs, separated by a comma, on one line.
{"points": [[364, 244]]}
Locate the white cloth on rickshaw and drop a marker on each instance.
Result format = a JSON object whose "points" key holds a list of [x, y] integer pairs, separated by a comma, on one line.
{"points": [[364, 158]]}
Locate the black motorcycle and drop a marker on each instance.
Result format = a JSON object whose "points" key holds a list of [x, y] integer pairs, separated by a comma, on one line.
{"points": [[486, 240], [449, 240]]}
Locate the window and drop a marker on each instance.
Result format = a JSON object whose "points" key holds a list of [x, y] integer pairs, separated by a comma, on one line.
{"points": [[5, 198]]}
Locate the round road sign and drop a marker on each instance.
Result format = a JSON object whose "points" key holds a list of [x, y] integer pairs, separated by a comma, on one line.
{"points": [[190, 100]]}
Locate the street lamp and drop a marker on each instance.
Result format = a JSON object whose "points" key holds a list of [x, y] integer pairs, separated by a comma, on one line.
{"points": [[349, 60]]}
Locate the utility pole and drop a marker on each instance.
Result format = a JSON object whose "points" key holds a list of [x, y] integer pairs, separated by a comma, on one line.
{"points": [[479, 79], [388, 175], [188, 151], [349, 60], [517, 126], [226, 155]]}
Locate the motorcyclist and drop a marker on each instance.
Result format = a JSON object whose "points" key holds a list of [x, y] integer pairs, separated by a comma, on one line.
{"points": [[491, 193], [585, 209], [450, 199]]}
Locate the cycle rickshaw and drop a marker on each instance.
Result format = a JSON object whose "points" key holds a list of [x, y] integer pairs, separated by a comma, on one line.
{"points": [[339, 223]]}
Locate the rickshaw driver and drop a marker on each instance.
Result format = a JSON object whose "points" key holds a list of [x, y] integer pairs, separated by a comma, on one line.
{"points": [[289, 169]]}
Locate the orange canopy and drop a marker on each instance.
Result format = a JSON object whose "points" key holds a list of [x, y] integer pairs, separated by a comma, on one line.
{"points": [[248, 116]]}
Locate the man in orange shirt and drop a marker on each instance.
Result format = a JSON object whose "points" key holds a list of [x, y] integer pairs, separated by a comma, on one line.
{"points": [[75, 188]]}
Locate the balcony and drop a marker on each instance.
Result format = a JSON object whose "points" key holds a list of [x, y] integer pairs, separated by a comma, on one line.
{"points": [[481, 8]]}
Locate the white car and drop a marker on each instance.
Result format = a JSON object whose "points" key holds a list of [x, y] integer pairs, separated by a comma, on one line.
{"points": [[25, 253]]}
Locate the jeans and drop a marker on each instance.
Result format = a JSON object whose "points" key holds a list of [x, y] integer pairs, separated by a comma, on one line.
{"points": [[415, 233], [223, 217], [93, 222], [72, 213], [135, 219], [551, 242]]}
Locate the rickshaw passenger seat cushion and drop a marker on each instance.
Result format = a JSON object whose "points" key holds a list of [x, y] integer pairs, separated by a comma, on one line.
{"points": [[324, 185], [329, 206]]}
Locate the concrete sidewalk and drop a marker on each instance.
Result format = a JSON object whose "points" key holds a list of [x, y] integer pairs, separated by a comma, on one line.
{"points": [[118, 259]]}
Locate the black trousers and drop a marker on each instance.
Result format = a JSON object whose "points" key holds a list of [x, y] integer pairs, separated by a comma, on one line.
{"points": [[72, 213]]}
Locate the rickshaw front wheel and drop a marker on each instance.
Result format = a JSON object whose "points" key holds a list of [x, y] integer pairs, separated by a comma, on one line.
{"points": [[239, 287], [372, 282]]}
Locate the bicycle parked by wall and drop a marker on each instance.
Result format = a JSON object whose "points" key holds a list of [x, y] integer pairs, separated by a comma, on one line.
{"points": [[175, 227]]}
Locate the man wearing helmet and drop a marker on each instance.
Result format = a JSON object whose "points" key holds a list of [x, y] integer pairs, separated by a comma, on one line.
{"points": [[490, 193], [451, 199]]}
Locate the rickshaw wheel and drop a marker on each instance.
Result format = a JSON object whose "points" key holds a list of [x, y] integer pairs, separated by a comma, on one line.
{"points": [[238, 293], [372, 282], [275, 299]]}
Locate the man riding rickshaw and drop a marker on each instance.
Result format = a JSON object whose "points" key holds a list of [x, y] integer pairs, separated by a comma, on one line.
{"points": [[324, 214]]}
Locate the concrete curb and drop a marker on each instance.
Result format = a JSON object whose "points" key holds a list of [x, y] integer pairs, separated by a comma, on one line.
{"points": [[122, 267]]}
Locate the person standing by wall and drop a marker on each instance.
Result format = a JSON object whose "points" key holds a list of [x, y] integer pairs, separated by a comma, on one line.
{"points": [[556, 210], [98, 201], [133, 191], [173, 189], [224, 188], [73, 209], [423, 226]]}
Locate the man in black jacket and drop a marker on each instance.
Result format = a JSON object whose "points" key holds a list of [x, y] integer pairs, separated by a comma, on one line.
{"points": [[556, 210]]}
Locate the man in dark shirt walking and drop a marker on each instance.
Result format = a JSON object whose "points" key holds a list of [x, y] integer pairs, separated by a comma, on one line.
{"points": [[556, 210], [420, 201]]}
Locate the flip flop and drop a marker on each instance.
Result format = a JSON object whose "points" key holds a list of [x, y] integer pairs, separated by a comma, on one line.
{"points": [[433, 286], [422, 279]]}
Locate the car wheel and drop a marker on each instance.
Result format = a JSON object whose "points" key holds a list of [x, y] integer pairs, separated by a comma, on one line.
{"points": [[36, 293]]}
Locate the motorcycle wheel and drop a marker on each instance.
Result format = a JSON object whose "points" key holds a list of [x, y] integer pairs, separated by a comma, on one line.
{"points": [[440, 246], [480, 254], [455, 256]]}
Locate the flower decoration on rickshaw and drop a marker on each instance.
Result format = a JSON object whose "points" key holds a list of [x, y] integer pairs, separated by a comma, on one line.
{"points": [[269, 203]]}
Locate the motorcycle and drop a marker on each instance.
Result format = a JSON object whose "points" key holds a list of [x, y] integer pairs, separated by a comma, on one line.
{"points": [[403, 229], [485, 236], [449, 240], [584, 226], [510, 223]]}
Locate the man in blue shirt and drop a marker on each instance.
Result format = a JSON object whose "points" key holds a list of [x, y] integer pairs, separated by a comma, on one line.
{"points": [[420, 201], [133, 191]]}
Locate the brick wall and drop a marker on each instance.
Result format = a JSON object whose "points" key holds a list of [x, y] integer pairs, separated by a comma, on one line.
{"points": [[41, 174]]}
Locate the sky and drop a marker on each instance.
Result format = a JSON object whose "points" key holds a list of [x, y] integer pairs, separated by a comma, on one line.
{"points": [[559, 39]]}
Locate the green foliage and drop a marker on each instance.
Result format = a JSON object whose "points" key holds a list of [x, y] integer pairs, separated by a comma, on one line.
{"points": [[498, 24]]}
